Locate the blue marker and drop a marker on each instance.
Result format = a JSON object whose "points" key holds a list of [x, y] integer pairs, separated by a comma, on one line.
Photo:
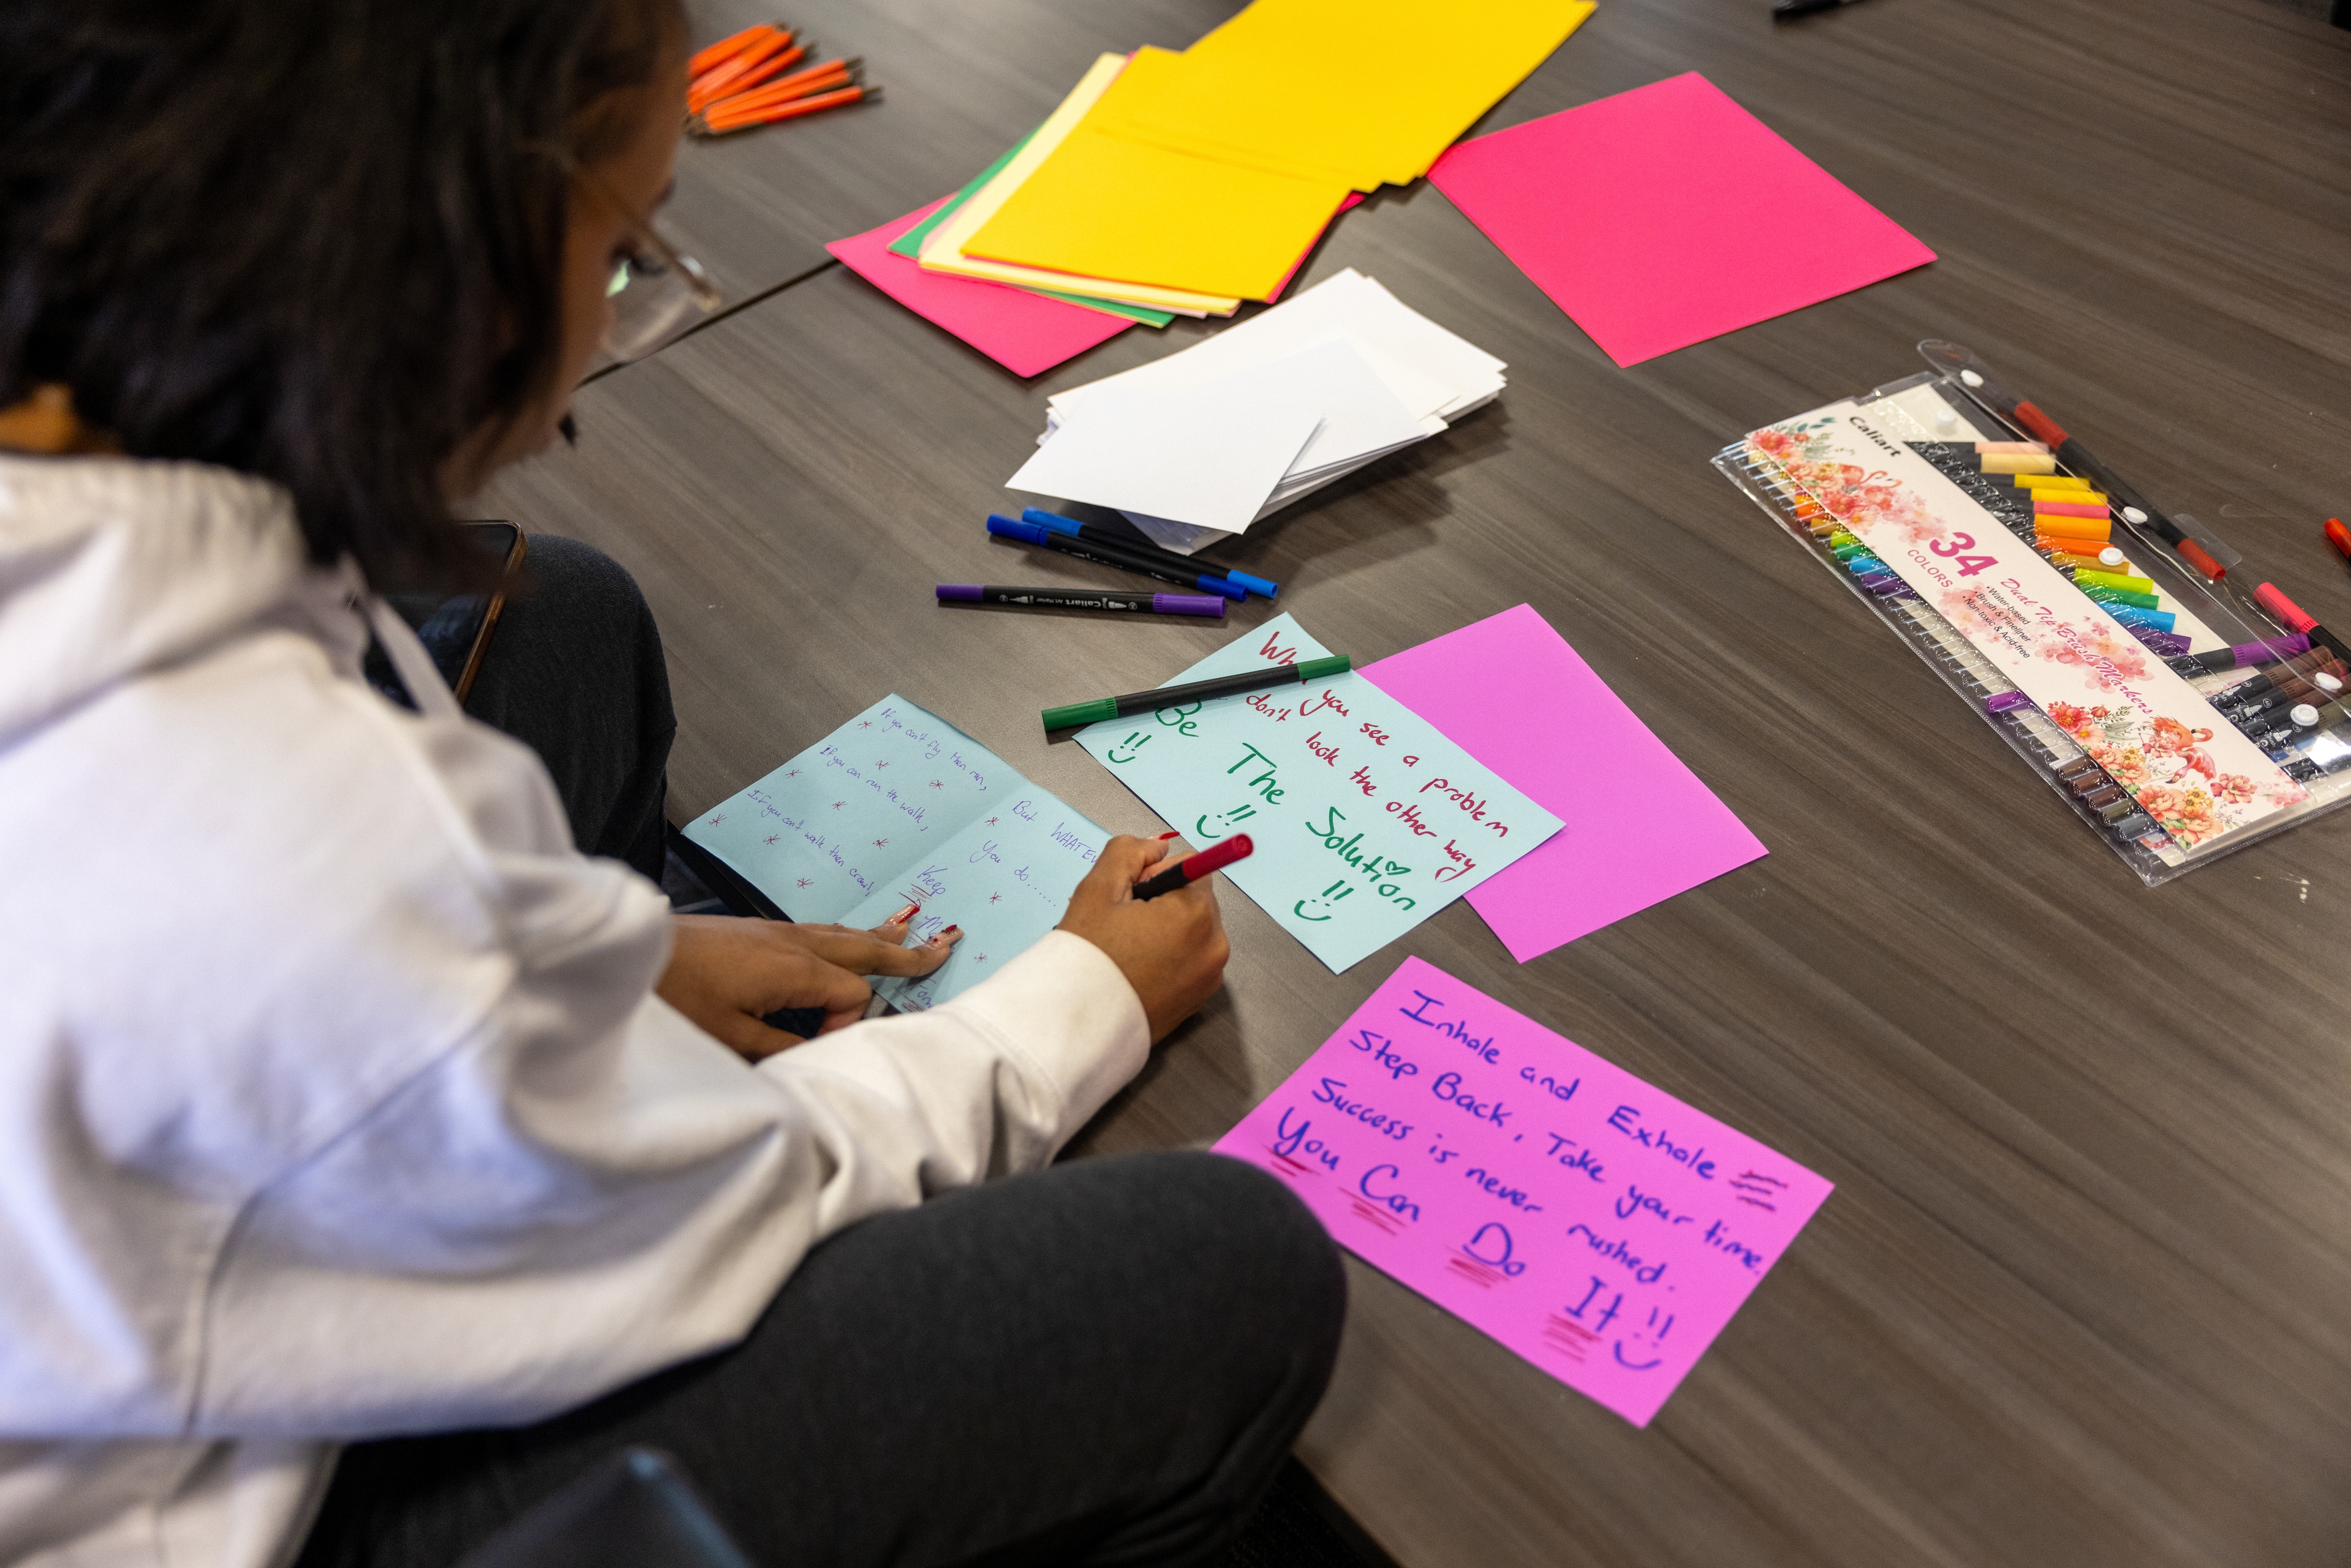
{"points": [[1094, 533], [1120, 556]]}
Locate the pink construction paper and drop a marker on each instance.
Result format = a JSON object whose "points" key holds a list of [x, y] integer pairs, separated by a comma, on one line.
{"points": [[1026, 333], [1596, 1225], [1640, 825], [1666, 216]]}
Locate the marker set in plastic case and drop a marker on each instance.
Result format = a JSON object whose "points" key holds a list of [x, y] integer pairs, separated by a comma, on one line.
{"points": [[2101, 639]]}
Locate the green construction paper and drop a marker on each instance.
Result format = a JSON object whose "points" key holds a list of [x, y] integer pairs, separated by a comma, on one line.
{"points": [[910, 244], [1143, 313]]}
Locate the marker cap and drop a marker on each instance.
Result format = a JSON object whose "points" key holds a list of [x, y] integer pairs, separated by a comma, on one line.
{"points": [[2044, 507], [2284, 609], [1256, 585], [1188, 603], [1072, 714], [1014, 528], [1315, 669], [968, 591], [2194, 554], [1053, 520], [1217, 856], [2268, 649]]}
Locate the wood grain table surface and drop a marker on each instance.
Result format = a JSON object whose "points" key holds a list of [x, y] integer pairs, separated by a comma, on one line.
{"points": [[2083, 1294]]}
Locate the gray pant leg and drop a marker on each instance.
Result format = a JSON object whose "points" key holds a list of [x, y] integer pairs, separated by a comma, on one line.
{"points": [[1104, 1362], [574, 670]]}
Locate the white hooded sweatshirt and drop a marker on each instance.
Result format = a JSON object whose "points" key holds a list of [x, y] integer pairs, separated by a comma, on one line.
{"points": [[334, 1098]]}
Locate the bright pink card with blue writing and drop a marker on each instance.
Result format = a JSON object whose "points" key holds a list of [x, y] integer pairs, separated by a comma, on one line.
{"points": [[1596, 1225]]}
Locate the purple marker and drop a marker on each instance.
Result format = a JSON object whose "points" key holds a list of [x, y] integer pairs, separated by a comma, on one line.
{"points": [[2267, 651], [1080, 598]]}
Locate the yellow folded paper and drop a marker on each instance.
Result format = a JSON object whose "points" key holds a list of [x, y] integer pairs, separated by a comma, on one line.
{"points": [[1114, 207], [943, 250], [1369, 90]]}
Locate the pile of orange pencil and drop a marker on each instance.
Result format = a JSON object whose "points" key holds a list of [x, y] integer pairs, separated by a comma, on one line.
{"points": [[740, 82]]}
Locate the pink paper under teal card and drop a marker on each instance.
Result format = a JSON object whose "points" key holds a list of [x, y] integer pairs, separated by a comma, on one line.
{"points": [[1026, 333], [1668, 215], [1640, 826], [1588, 1221]]}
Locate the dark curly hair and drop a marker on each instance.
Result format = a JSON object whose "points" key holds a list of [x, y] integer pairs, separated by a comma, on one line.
{"points": [[318, 241]]}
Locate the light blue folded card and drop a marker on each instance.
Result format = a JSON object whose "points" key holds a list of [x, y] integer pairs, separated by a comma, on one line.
{"points": [[899, 807], [1367, 819]]}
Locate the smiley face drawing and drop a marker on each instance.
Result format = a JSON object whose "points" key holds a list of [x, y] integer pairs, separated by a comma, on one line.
{"points": [[1327, 902], [1215, 825], [1647, 1341]]}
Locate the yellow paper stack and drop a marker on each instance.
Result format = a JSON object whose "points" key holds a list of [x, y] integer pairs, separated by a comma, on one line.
{"points": [[1192, 182]]}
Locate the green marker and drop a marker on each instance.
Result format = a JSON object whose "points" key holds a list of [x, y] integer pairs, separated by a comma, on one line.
{"points": [[1152, 701], [2118, 581]]}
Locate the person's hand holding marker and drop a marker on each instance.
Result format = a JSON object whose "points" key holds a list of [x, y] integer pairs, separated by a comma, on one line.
{"points": [[1170, 947], [1145, 905], [727, 975]]}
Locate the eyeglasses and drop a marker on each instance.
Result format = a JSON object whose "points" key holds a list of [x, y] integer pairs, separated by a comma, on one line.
{"points": [[654, 287]]}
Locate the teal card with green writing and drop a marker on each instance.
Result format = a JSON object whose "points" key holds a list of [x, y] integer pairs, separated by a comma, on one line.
{"points": [[1367, 819], [899, 807]]}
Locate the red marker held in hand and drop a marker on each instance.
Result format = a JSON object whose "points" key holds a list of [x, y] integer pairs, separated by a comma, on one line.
{"points": [[1192, 868]]}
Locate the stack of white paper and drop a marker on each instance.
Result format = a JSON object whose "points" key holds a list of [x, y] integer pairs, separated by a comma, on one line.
{"points": [[1198, 445]]}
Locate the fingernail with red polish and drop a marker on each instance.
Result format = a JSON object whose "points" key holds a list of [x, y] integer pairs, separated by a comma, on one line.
{"points": [[950, 930], [1164, 837], [905, 914]]}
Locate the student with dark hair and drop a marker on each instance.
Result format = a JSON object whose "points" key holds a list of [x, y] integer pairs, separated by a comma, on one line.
{"points": [[377, 1151]]}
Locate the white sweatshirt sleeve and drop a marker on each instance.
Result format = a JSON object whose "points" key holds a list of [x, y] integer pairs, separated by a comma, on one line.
{"points": [[334, 1099], [549, 1212], [364, 1119]]}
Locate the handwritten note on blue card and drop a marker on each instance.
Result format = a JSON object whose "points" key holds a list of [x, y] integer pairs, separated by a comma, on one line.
{"points": [[899, 807], [1367, 819]]}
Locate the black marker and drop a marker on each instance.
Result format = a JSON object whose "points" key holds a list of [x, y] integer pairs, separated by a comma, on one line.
{"points": [[1119, 556], [1097, 533], [1081, 599]]}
